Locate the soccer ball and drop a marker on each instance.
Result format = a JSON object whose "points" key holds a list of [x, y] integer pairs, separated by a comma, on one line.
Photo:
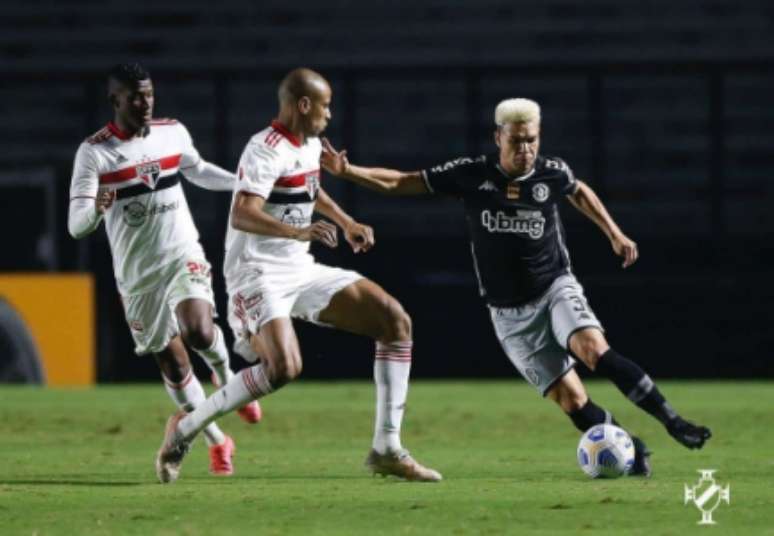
{"points": [[605, 451]]}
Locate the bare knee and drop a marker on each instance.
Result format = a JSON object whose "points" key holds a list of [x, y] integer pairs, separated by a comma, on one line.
{"points": [[198, 334], [396, 322], [282, 369], [589, 345]]}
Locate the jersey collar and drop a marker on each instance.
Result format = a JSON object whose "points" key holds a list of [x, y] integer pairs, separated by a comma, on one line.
{"points": [[123, 135], [508, 178], [282, 129]]}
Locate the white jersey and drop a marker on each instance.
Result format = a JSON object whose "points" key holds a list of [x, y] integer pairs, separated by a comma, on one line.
{"points": [[275, 166], [150, 225]]}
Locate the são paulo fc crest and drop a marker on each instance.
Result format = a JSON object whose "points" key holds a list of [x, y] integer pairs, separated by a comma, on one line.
{"points": [[540, 192], [313, 184], [149, 173]]}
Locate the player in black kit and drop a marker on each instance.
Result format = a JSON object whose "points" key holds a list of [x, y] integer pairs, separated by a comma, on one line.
{"points": [[538, 308]]}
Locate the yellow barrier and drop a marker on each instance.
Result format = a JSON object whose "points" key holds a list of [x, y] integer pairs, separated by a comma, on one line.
{"points": [[59, 312]]}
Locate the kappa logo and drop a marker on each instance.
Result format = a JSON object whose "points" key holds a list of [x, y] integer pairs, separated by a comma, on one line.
{"points": [[149, 173], [526, 222], [488, 186], [541, 192]]}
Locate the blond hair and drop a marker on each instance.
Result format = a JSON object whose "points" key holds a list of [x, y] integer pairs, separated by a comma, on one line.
{"points": [[517, 111]]}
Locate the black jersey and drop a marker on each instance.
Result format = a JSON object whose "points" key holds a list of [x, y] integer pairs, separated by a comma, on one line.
{"points": [[517, 236]]}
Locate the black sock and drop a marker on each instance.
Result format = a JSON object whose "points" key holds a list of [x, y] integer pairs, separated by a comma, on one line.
{"points": [[637, 386], [589, 415]]}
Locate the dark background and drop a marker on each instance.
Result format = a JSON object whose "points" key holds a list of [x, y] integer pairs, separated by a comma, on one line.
{"points": [[664, 108]]}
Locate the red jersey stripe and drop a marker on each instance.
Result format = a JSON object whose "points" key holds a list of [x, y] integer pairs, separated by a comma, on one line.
{"points": [[121, 175], [295, 180]]}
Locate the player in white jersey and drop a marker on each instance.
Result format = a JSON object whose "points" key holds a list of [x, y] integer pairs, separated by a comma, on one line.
{"points": [[271, 277], [128, 174]]}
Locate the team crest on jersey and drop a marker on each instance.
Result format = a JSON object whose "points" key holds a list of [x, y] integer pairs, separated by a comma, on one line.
{"points": [[149, 173], [541, 192], [313, 184]]}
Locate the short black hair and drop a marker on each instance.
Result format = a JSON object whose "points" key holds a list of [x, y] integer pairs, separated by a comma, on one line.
{"points": [[128, 74]]}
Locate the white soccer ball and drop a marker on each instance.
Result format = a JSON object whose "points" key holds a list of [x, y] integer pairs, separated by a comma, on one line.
{"points": [[605, 451]]}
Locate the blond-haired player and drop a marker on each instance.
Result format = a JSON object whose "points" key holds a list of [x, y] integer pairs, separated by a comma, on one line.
{"points": [[539, 311]]}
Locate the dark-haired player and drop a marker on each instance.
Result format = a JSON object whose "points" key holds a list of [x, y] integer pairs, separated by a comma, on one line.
{"points": [[272, 278], [128, 173], [538, 308]]}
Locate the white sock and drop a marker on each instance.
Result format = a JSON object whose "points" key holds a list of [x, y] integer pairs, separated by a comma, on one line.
{"points": [[217, 358], [189, 394], [391, 374], [249, 384]]}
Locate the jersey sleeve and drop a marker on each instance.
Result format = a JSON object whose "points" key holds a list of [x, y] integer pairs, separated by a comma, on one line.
{"points": [[85, 179], [456, 177], [189, 156], [82, 218], [568, 184], [258, 170]]}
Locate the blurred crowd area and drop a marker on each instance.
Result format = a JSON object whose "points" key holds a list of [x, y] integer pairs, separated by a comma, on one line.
{"points": [[664, 108]]}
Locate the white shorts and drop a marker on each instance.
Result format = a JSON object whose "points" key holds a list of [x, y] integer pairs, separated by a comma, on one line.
{"points": [[281, 291], [535, 336], [151, 316]]}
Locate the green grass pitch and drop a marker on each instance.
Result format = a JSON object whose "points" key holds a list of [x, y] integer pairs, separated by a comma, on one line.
{"points": [[80, 462]]}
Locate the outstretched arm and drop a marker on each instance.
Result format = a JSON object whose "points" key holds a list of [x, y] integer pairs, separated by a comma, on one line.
{"points": [[358, 235], [247, 215], [587, 202], [209, 176], [385, 181]]}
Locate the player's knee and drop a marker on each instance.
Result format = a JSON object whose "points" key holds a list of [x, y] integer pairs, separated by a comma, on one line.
{"points": [[589, 345], [200, 335], [172, 370], [283, 369], [397, 324]]}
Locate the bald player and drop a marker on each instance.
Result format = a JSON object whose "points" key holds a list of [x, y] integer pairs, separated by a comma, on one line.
{"points": [[271, 278]]}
